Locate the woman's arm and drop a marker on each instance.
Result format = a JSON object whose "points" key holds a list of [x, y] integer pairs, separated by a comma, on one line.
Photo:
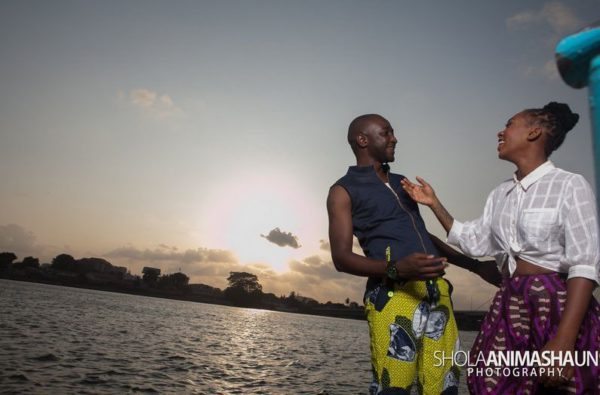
{"points": [[579, 294], [487, 270], [472, 237], [582, 254]]}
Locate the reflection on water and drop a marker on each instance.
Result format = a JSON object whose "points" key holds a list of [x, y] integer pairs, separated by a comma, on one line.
{"points": [[64, 340]]}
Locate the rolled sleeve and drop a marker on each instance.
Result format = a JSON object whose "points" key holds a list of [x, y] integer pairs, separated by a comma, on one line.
{"points": [[454, 234], [586, 271], [582, 246]]}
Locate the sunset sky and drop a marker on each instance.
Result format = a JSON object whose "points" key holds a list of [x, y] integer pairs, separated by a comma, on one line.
{"points": [[203, 136]]}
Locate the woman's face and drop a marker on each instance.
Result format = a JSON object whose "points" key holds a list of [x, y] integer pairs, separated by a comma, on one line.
{"points": [[512, 141]]}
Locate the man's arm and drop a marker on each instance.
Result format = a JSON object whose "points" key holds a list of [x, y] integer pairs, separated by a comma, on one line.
{"points": [[487, 270], [414, 266]]}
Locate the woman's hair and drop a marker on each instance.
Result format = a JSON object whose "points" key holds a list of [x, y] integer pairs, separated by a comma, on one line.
{"points": [[557, 119]]}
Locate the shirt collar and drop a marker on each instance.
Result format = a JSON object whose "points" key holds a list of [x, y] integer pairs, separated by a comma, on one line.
{"points": [[361, 169], [535, 175], [368, 173]]}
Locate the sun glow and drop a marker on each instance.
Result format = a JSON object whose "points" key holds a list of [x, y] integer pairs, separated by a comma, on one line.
{"points": [[242, 209]]}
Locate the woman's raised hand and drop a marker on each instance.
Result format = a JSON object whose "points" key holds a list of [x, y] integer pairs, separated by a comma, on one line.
{"points": [[422, 193]]}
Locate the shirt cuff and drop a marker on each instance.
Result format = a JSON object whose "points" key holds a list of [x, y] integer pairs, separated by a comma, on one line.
{"points": [[585, 271], [454, 234]]}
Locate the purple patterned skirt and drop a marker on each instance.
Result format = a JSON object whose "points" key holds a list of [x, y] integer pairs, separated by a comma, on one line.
{"points": [[524, 315]]}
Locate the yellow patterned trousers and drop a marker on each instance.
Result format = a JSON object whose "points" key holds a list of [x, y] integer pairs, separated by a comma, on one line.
{"points": [[407, 333]]}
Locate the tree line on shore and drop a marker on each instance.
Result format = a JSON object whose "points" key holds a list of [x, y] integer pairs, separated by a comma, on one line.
{"points": [[244, 289]]}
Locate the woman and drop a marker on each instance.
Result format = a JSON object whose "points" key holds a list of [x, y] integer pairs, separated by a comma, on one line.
{"points": [[542, 228]]}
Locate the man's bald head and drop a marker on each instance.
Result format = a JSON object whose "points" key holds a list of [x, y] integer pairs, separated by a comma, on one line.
{"points": [[360, 125]]}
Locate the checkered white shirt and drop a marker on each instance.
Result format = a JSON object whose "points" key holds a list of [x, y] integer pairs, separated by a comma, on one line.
{"points": [[548, 218]]}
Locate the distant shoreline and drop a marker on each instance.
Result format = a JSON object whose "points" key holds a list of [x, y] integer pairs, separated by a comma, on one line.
{"points": [[466, 320]]}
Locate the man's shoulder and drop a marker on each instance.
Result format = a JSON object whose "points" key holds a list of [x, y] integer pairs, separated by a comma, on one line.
{"points": [[342, 181]]}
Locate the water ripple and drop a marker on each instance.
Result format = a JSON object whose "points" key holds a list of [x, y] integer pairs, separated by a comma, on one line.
{"points": [[67, 340]]}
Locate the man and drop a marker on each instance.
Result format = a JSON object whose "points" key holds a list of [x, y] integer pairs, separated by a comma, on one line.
{"points": [[407, 302]]}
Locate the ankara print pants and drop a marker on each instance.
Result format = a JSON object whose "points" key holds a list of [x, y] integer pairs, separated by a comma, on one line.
{"points": [[406, 330], [524, 315]]}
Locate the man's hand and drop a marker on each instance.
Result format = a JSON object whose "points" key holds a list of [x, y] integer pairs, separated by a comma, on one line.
{"points": [[419, 266], [423, 193]]}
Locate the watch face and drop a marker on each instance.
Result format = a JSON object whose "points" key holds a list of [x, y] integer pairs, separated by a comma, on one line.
{"points": [[391, 270]]}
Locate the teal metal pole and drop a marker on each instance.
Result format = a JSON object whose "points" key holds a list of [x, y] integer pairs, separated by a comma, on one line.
{"points": [[594, 98], [578, 60]]}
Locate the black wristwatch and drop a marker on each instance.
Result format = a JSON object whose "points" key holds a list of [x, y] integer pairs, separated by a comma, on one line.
{"points": [[391, 271]]}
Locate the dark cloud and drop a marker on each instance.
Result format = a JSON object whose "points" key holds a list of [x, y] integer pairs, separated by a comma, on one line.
{"points": [[314, 276], [167, 247], [202, 265], [315, 267], [166, 253], [325, 245], [282, 239]]}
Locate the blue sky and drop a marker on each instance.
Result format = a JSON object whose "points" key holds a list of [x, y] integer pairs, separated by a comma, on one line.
{"points": [[175, 134]]}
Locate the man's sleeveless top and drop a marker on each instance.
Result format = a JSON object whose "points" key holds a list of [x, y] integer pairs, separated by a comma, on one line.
{"points": [[382, 218]]}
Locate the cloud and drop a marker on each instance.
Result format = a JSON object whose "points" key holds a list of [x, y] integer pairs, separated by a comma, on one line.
{"points": [[151, 102], [521, 20], [547, 70], [560, 17], [550, 70], [316, 267], [14, 238], [356, 248], [202, 265], [554, 19], [556, 15], [282, 239], [324, 245], [314, 276], [143, 97], [166, 253]]}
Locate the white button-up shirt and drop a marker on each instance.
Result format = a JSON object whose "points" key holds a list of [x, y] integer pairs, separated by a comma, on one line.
{"points": [[548, 218]]}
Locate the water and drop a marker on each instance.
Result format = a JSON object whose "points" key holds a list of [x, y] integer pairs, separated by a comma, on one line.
{"points": [[67, 340]]}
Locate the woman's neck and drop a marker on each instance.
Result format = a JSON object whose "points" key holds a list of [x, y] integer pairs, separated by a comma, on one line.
{"points": [[527, 165]]}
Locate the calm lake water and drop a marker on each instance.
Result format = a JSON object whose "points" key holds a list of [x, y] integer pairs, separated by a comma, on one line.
{"points": [[67, 340]]}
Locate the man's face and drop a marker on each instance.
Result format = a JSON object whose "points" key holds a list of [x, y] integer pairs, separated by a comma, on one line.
{"points": [[382, 142]]}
